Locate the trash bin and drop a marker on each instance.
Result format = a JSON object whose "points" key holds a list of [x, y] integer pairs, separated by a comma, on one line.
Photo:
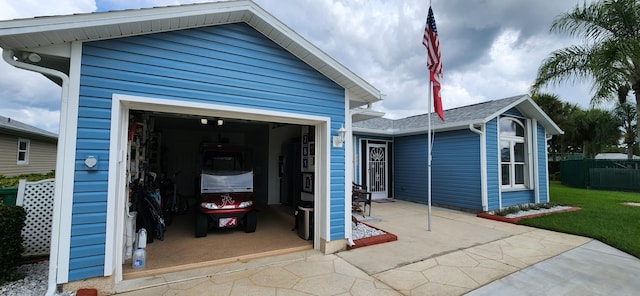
{"points": [[9, 195], [304, 222]]}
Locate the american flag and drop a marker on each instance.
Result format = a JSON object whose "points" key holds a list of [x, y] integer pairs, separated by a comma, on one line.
{"points": [[431, 42]]}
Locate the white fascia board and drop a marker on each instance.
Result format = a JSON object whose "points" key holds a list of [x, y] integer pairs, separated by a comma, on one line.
{"points": [[93, 19], [530, 106]]}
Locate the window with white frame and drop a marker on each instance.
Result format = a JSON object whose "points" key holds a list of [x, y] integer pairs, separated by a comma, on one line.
{"points": [[23, 151], [513, 153]]}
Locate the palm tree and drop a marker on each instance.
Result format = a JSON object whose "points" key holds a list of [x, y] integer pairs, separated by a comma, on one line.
{"points": [[594, 129], [560, 112], [625, 114], [610, 54]]}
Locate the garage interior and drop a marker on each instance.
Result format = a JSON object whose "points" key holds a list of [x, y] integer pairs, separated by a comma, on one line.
{"points": [[166, 145]]}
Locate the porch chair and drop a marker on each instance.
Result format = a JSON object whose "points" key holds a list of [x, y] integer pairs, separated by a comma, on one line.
{"points": [[360, 195]]}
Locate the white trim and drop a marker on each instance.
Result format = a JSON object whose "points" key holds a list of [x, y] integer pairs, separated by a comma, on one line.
{"points": [[25, 161], [499, 161], [535, 170], [121, 104], [116, 188], [348, 168], [68, 148], [379, 194], [484, 191], [54, 30], [546, 164], [322, 172]]}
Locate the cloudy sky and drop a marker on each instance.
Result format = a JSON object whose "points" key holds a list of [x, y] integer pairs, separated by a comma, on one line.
{"points": [[491, 49]]}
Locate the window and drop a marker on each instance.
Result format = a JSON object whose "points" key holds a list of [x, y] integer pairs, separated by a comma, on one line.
{"points": [[23, 151], [513, 153]]}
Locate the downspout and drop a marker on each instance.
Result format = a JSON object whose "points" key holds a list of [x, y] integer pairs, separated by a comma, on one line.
{"points": [[8, 56], [546, 164], [483, 166], [536, 160]]}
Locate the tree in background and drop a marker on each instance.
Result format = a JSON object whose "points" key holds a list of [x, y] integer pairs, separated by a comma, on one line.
{"points": [[596, 129], [560, 112], [610, 53], [625, 114]]}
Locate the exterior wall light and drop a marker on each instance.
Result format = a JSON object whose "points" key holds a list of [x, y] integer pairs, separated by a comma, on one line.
{"points": [[339, 139]]}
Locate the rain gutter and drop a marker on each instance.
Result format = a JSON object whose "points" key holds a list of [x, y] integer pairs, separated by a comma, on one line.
{"points": [[8, 56]]}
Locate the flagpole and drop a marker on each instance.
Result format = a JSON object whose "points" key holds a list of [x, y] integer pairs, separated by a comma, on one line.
{"points": [[429, 102]]}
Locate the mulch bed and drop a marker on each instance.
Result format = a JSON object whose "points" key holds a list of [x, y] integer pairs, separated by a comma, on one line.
{"points": [[373, 240], [515, 220]]}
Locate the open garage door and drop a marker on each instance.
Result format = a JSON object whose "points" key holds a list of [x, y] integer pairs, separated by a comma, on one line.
{"points": [[163, 155]]}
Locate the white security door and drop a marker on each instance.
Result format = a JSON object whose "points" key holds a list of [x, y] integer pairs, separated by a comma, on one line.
{"points": [[377, 170]]}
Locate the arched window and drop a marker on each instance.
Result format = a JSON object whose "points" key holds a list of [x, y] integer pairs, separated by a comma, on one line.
{"points": [[513, 152]]}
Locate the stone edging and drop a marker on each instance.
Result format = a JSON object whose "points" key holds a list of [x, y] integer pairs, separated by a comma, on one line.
{"points": [[373, 240]]}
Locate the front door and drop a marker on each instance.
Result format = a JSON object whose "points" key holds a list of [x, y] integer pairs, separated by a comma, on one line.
{"points": [[377, 161]]}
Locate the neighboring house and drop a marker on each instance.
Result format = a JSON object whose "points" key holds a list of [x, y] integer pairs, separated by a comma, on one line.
{"points": [[485, 156], [25, 149], [124, 73]]}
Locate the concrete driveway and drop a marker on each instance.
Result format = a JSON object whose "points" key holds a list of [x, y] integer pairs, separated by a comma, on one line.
{"points": [[461, 254]]}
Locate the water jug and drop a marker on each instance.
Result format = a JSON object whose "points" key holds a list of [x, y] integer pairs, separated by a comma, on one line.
{"points": [[142, 238], [139, 258]]}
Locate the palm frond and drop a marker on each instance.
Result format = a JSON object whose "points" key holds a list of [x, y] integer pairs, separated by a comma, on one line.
{"points": [[566, 64]]}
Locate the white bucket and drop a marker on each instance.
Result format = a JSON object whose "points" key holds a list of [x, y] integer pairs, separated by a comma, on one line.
{"points": [[129, 235]]}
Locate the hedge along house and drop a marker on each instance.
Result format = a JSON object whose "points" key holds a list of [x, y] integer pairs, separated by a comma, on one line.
{"points": [[230, 60], [485, 156]]}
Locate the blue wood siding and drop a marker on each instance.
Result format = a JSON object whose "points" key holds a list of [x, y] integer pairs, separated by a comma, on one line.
{"points": [[543, 174], [455, 169], [512, 198], [493, 165], [230, 65], [513, 112]]}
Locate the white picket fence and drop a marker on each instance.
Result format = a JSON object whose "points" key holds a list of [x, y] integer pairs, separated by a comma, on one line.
{"points": [[37, 199]]}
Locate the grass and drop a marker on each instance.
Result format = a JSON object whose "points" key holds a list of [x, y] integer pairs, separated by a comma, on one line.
{"points": [[603, 217]]}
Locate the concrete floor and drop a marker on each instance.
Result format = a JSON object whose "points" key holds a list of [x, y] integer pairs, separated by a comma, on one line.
{"points": [[181, 250]]}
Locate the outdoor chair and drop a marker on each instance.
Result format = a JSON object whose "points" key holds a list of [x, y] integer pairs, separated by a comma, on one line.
{"points": [[360, 198]]}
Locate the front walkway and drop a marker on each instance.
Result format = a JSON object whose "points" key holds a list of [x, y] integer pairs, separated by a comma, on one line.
{"points": [[460, 254]]}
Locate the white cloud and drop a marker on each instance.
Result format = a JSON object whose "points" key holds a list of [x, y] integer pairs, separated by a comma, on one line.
{"points": [[26, 9], [491, 49]]}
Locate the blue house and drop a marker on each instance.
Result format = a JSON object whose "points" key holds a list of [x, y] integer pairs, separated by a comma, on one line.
{"points": [[127, 75], [484, 156]]}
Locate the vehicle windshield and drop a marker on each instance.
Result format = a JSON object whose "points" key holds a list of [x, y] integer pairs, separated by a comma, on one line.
{"points": [[217, 160]]}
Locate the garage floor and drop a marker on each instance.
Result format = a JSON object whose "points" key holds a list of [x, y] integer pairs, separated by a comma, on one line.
{"points": [[181, 250]]}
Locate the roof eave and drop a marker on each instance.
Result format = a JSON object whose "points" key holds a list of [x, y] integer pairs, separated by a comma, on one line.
{"points": [[526, 105], [23, 34]]}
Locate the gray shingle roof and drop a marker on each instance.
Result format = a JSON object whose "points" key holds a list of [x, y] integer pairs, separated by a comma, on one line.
{"points": [[12, 126], [457, 118]]}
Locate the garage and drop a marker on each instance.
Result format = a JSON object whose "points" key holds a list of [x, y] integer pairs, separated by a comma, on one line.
{"points": [[163, 70], [164, 155]]}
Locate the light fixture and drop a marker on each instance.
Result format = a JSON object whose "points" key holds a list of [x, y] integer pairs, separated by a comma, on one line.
{"points": [[31, 57], [203, 121], [220, 122], [339, 139], [90, 162]]}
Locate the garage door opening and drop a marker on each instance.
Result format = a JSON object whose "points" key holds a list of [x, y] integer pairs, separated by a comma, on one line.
{"points": [[164, 157]]}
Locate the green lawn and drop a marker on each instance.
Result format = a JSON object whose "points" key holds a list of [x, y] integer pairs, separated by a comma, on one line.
{"points": [[603, 217]]}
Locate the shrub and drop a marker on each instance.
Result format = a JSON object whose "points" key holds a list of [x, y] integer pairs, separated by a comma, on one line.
{"points": [[13, 181], [524, 207], [12, 219]]}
